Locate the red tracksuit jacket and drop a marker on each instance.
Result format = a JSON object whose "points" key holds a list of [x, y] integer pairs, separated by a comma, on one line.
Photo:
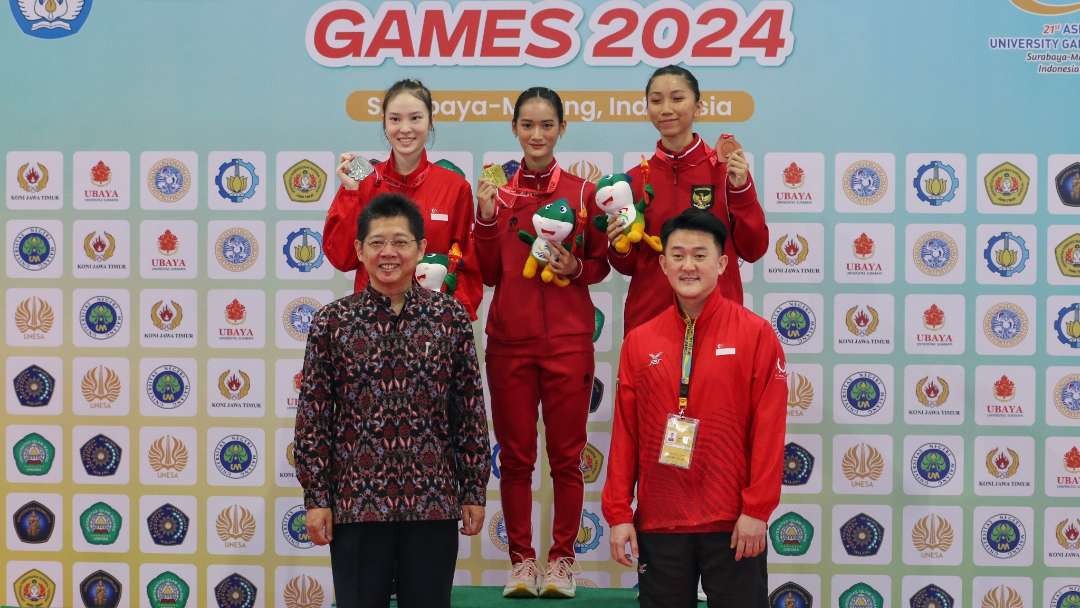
{"points": [[738, 392], [446, 202], [674, 178], [528, 316]]}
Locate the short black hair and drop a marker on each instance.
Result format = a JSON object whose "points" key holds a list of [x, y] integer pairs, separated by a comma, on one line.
{"points": [[681, 72], [543, 93], [697, 220], [388, 205]]}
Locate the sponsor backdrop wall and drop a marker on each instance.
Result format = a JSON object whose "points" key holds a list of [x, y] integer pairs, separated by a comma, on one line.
{"points": [[168, 166]]}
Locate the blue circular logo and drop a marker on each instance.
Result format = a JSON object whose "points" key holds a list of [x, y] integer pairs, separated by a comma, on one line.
{"points": [[101, 317], [168, 387], [1006, 254], [1005, 324], [236, 180], [865, 182], [863, 393], [794, 322], [236, 249], [1003, 536], [294, 528], [169, 180], [303, 250], [798, 465], [1067, 325], [236, 456], [935, 253], [935, 183], [933, 465], [34, 248]]}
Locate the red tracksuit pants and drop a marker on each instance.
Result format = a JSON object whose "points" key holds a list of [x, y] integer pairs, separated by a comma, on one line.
{"points": [[561, 386]]}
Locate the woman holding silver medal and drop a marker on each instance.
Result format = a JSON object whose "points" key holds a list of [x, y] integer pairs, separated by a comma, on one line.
{"points": [[536, 249], [438, 189]]}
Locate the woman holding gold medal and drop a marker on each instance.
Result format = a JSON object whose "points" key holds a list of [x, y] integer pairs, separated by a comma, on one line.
{"points": [[535, 248], [685, 172], [438, 189]]}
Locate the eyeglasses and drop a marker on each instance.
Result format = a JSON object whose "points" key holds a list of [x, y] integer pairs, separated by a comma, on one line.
{"points": [[396, 244]]}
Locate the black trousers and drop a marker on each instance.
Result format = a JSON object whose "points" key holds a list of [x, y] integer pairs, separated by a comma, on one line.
{"points": [[366, 558], [670, 564]]}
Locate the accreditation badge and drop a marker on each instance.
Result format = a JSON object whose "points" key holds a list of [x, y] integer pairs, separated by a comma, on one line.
{"points": [[677, 448]]}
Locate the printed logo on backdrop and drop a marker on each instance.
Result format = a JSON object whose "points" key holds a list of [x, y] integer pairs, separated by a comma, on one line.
{"points": [[169, 180], [1070, 461], [303, 250], [1067, 536], [100, 524], [168, 590], [1002, 596], [933, 321], [497, 532], [791, 534], [33, 179], [34, 248], [34, 455], [862, 465], [98, 247], [1067, 185], [304, 182], [936, 183], [1066, 396], [235, 456], [1069, 595], [1067, 325], [800, 395], [168, 457], [236, 526], [236, 180], [303, 592], [168, 387], [933, 464], [34, 387], [798, 465], [592, 463], [100, 589], [34, 318], [794, 322], [101, 177], [861, 595], [1006, 254], [236, 249], [1006, 185], [790, 595], [863, 394], [1067, 256], [51, 18], [862, 535], [100, 456], [34, 589], [234, 386], [1005, 325], [235, 591], [169, 260], [298, 315], [589, 534], [935, 253], [34, 523], [932, 536], [1004, 404], [294, 528], [101, 317], [168, 525], [865, 182], [931, 596], [863, 248], [1003, 536]]}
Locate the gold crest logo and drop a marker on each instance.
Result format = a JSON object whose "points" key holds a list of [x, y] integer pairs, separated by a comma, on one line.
{"points": [[792, 251], [586, 171], [232, 386], [1002, 464], [34, 589], [168, 454], [932, 393], [701, 196], [101, 385], [862, 462], [1067, 534], [99, 247], [800, 394], [167, 317], [33, 179], [932, 533], [303, 592], [1002, 596], [862, 320], [34, 316], [235, 523]]}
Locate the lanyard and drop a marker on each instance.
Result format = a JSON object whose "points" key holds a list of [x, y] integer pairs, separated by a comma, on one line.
{"points": [[687, 364], [514, 186]]}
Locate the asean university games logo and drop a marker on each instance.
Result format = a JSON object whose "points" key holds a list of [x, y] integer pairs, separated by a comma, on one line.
{"points": [[50, 18]]}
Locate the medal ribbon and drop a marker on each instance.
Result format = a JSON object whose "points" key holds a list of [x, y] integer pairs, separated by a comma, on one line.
{"points": [[687, 364], [514, 185]]}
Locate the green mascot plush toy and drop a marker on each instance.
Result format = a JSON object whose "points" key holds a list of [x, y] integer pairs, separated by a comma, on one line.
{"points": [[615, 198], [438, 271], [553, 223]]}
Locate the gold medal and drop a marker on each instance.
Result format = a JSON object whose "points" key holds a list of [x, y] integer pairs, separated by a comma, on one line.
{"points": [[494, 173]]}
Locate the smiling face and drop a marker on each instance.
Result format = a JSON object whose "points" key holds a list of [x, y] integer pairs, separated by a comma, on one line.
{"points": [[407, 124], [671, 109], [554, 221], [537, 129], [693, 264], [390, 254]]}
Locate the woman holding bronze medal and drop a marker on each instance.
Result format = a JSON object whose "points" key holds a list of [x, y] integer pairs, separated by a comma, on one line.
{"points": [[438, 189], [685, 172], [535, 248]]}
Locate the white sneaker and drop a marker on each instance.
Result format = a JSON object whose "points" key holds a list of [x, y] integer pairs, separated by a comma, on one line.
{"points": [[524, 580], [559, 579], [701, 597]]}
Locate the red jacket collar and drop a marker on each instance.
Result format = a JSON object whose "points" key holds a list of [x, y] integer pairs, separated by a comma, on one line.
{"points": [[536, 179], [713, 302], [695, 153], [389, 170]]}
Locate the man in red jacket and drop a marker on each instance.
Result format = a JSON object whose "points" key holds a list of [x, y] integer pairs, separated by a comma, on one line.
{"points": [[699, 430]]}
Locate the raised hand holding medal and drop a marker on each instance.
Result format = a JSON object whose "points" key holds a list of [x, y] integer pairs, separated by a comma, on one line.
{"points": [[729, 150], [352, 169]]}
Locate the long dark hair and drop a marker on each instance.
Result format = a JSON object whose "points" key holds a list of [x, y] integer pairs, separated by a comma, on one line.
{"points": [[675, 70], [539, 93]]}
